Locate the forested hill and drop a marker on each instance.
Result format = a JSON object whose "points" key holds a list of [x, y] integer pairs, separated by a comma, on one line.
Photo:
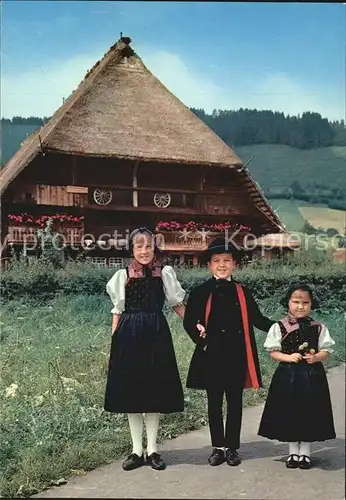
{"points": [[249, 126]]}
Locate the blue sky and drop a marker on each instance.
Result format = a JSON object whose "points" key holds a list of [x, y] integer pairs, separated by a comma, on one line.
{"points": [[288, 57]]}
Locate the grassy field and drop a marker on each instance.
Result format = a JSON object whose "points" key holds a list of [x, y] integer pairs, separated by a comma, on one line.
{"points": [[54, 361], [293, 213], [325, 217], [289, 212]]}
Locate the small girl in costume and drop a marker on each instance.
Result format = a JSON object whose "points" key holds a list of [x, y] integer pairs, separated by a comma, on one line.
{"points": [[143, 376], [298, 409]]}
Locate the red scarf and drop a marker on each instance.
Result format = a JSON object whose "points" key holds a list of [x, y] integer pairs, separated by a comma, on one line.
{"points": [[136, 269]]}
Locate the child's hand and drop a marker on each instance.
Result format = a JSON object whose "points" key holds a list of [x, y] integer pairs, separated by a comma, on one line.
{"points": [[295, 357], [201, 329], [115, 323], [310, 358]]}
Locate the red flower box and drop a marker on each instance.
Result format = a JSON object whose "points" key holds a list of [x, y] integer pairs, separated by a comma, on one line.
{"points": [[199, 226], [40, 221]]}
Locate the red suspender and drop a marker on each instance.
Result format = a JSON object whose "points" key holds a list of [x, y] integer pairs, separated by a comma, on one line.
{"points": [[251, 379], [207, 311]]}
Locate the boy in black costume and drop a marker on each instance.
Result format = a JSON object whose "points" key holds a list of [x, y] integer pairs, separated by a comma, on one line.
{"points": [[219, 318]]}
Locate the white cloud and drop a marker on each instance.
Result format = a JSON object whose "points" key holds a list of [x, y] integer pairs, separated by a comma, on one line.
{"points": [[40, 92], [193, 89], [276, 91], [281, 92]]}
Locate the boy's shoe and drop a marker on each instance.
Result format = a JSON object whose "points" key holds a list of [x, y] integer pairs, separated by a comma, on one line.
{"points": [[217, 457], [133, 461], [232, 458], [304, 462], [155, 461], [291, 462]]}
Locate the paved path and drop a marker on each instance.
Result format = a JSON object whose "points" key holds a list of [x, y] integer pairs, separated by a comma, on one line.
{"points": [[262, 474]]}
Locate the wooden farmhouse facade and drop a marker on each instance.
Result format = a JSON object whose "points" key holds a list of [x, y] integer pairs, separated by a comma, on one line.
{"points": [[123, 152]]}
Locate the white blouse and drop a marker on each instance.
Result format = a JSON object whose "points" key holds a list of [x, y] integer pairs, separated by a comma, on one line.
{"points": [[273, 340], [172, 288]]}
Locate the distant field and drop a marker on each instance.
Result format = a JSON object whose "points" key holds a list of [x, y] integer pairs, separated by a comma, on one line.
{"points": [[325, 217], [293, 213], [289, 212]]}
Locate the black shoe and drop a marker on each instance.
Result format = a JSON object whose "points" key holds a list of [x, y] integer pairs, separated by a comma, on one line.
{"points": [[232, 458], [291, 463], [217, 457], [155, 461], [305, 463], [133, 461]]}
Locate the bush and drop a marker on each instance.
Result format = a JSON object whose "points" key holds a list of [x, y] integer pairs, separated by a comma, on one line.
{"points": [[331, 231], [41, 282]]}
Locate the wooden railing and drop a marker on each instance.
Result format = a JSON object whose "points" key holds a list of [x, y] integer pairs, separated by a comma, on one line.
{"points": [[188, 241]]}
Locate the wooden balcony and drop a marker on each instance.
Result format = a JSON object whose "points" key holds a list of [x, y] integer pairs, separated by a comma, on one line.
{"points": [[180, 241], [27, 234]]}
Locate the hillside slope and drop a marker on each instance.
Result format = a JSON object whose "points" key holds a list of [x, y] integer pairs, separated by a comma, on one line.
{"points": [[277, 166]]}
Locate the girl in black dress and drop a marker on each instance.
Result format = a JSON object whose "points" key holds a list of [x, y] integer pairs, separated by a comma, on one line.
{"points": [[143, 376], [298, 409]]}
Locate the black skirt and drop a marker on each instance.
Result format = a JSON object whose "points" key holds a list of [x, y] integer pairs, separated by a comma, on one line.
{"points": [[143, 375], [298, 406]]}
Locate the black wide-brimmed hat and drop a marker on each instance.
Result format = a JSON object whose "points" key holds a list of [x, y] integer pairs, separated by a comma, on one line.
{"points": [[222, 245]]}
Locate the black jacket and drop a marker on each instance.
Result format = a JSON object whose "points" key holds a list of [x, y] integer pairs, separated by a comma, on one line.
{"points": [[224, 362]]}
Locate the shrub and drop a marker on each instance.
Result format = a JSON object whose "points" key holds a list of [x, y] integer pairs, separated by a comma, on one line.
{"points": [[40, 281]]}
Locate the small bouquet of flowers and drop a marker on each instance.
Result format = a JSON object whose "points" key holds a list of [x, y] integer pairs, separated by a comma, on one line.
{"points": [[304, 349]]}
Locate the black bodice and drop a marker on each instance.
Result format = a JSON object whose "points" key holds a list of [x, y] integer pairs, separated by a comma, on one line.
{"points": [[144, 294], [305, 333]]}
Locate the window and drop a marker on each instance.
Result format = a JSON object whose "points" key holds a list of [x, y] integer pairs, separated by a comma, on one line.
{"points": [[115, 262], [99, 261], [189, 260]]}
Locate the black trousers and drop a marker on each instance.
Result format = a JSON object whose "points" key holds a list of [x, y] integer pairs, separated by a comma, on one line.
{"points": [[221, 436]]}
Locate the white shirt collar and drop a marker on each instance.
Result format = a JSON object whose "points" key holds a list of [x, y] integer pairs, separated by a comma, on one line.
{"points": [[228, 279]]}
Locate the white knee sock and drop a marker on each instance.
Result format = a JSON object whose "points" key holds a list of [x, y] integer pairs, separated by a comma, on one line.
{"points": [[152, 426], [305, 449], [136, 428], [294, 449]]}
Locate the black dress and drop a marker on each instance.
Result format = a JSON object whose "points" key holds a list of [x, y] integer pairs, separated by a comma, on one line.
{"points": [[298, 406], [143, 376]]}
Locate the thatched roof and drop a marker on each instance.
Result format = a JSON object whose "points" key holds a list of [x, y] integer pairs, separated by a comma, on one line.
{"points": [[281, 240], [122, 110]]}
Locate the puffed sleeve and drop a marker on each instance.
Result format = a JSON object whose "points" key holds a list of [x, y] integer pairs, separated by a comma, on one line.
{"points": [[273, 340], [325, 341], [172, 288], [116, 290]]}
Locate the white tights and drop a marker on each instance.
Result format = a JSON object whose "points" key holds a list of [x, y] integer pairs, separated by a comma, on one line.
{"points": [[300, 448], [136, 427]]}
